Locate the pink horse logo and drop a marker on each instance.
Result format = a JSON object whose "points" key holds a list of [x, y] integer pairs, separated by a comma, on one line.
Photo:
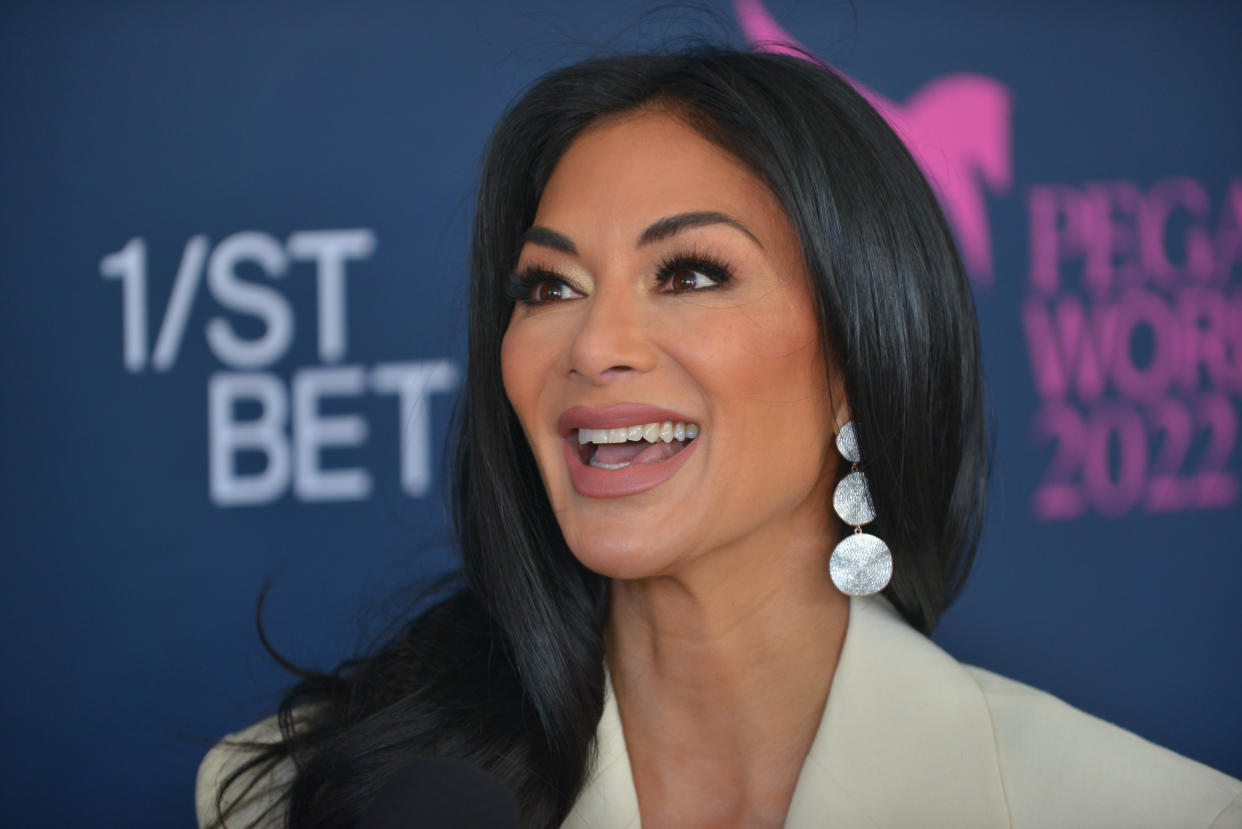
{"points": [[957, 127]]}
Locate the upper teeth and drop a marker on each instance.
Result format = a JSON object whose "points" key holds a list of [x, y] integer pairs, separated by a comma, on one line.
{"points": [[667, 431]]}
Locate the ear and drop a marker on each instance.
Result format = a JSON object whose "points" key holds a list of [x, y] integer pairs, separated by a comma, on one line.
{"points": [[841, 418], [837, 401]]}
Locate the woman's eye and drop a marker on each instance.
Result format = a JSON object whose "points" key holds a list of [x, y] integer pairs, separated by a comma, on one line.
{"points": [[687, 279], [550, 290], [547, 291]]}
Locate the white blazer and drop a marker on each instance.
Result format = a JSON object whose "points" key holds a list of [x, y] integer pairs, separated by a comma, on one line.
{"points": [[911, 738]]}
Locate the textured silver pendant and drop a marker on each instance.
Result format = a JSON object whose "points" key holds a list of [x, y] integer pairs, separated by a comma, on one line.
{"points": [[847, 443], [852, 500], [861, 565]]}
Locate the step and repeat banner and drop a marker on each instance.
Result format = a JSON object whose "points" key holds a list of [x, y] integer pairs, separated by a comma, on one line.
{"points": [[232, 313]]}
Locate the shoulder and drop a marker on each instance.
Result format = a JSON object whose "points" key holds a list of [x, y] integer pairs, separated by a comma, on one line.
{"points": [[1063, 765], [975, 749], [255, 791]]}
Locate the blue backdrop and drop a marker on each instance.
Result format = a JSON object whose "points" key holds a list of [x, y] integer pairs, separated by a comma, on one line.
{"points": [[232, 323]]}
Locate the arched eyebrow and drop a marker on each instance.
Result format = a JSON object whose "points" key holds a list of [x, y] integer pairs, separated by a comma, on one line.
{"points": [[672, 225], [546, 237], [657, 231]]}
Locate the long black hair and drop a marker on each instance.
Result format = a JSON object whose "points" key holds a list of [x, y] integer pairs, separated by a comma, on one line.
{"points": [[507, 672]]}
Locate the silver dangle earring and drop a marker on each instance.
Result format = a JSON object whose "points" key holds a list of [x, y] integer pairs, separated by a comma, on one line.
{"points": [[861, 564]]}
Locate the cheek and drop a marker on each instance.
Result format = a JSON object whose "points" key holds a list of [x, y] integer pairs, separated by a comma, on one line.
{"points": [[773, 359], [527, 363], [510, 368], [521, 367], [770, 388]]}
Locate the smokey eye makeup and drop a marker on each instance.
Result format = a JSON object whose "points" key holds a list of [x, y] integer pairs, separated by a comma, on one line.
{"points": [[682, 271], [537, 286], [679, 273]]}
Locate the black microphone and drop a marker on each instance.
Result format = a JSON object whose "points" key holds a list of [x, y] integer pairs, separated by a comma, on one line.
{"points": [[441, 793]]}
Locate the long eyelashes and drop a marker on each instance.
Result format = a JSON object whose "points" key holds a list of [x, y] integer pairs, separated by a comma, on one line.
{"points": [[673, 268], [525, 286], [535, 285]]}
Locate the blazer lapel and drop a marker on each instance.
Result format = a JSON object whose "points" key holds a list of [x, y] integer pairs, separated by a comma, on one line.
{"points": [[906, 737], [609, 800], [905, 740]]}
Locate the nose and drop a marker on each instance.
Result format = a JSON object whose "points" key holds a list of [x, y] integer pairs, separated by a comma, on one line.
{"points": [[612, 340]]}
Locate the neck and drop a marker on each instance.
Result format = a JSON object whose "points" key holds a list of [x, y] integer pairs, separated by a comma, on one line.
{"points": [[721, 673]]}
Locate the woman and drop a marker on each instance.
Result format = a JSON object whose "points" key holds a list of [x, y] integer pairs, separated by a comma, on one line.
{"points": [[694, 278]]}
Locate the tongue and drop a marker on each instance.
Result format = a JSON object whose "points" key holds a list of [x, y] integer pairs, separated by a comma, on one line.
{"points": [[636, 452]]}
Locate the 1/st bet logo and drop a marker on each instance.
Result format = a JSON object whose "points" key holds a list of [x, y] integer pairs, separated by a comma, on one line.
{"points": [[290, 432]]}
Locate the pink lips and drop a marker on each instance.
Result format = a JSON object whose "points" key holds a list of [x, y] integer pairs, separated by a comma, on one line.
{"points": [[594, 482]]}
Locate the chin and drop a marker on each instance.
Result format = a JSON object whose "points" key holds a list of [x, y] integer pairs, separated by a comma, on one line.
{"points": [[621, 555]]}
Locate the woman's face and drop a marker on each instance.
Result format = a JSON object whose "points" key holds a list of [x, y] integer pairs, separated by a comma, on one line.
{"points": [[661, 282]]}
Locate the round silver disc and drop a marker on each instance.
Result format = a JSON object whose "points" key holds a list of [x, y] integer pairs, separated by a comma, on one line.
{"points": [[861, 565], [852, 500], [847, 443]]}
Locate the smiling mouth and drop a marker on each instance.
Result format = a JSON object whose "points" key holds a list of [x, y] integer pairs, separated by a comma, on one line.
{"points": [[625, 446]]}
